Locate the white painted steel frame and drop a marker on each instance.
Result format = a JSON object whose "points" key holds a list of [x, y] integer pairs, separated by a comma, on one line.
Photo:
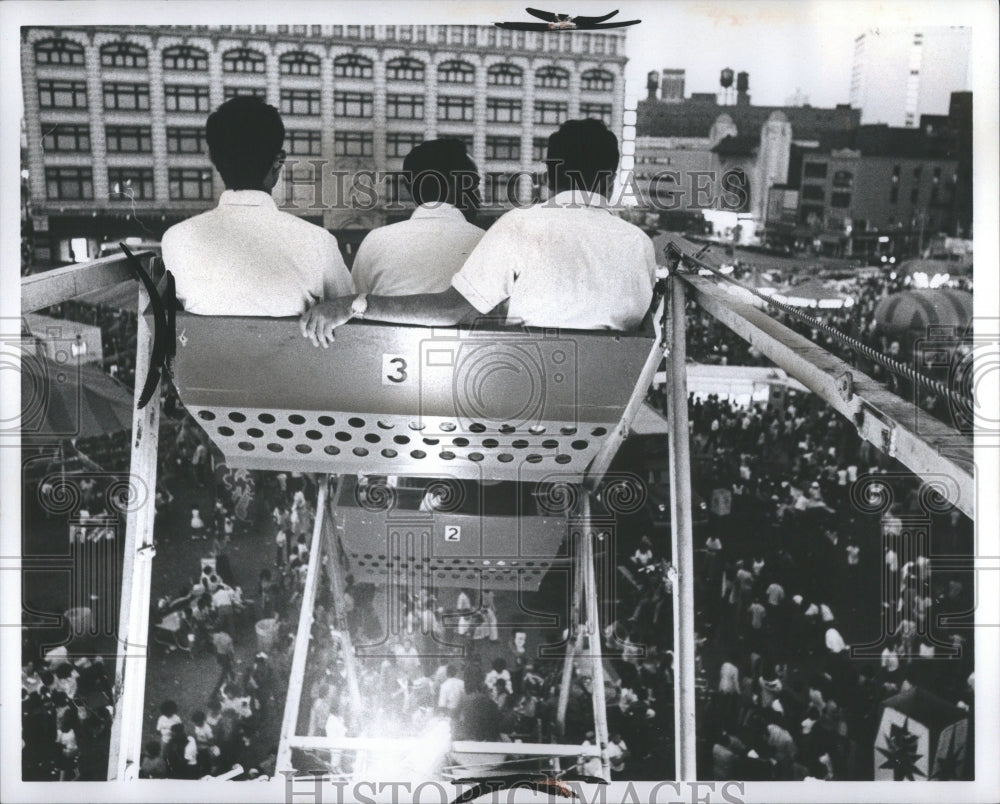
{"points": [[302, 637], [682, 543], [137, 571]]}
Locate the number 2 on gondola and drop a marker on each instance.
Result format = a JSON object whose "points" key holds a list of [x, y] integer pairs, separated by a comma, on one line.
{"points": [[395, 369], [453, 533]]}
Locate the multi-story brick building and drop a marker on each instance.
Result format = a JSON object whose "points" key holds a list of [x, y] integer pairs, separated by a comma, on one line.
{"points": [[115, 116], [688, 151]]}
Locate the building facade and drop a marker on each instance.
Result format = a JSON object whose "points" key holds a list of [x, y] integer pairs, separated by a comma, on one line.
{"points": [[726, 169], [899, 74], [856, 202], [114, 117]]}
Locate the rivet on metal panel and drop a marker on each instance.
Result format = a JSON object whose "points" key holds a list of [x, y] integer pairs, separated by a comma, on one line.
{"points": [[845, 386]]}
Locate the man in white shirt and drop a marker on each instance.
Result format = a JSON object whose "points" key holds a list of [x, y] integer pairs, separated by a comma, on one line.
{"points": [[421, 255], [451, 693], [568, 262], [245, 257]]}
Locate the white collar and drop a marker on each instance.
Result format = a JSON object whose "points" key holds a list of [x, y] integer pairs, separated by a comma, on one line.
{"points": [[438, 209], [579, 198], [246, 198]]}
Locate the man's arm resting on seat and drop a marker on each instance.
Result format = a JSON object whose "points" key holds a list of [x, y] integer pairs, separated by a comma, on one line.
{"points": [[425, 309]]}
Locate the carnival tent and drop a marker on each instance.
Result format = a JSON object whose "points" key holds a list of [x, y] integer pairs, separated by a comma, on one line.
{"points": [[914, 312], [70, 400]]}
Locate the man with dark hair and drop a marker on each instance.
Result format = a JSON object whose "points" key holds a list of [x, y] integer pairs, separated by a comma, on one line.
{"points": [[568, 262], [421, 255], [245, 257]]}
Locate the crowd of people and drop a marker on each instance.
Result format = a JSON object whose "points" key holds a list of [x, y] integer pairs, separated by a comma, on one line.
{"points": [[235, 725], [793, 569], [452, 663], [66, 713]]}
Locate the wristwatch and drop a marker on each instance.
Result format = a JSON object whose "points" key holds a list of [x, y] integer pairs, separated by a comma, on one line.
{"points": [[359, 306]]}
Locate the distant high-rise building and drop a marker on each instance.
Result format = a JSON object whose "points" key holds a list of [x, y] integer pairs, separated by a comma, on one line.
{"points": [[900, 74], [672, 86]]}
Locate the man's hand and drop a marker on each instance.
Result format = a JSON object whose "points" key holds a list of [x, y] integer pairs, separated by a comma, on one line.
{"points": [[319, 322]]}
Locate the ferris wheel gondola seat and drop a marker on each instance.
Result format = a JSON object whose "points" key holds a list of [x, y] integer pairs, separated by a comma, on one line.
{"points": [[490, 402]]}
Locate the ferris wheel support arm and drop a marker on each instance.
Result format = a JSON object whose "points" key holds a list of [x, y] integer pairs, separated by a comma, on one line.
{"points": [[296, 676], [685, 745], [137, 570]]}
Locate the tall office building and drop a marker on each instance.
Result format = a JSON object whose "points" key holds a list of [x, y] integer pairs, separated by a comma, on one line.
{"points": [[115, 116], [902, 73]]}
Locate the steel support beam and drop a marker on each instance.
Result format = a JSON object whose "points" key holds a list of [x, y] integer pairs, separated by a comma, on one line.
{"points": [[137, 571], [296, 676], [574, 636], [594, 643], [39, 291], [602, 460], [685, 746], [926, 446], [332, 547]]}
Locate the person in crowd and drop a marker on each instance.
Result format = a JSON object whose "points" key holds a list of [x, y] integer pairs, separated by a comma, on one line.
{"points": [[246, 257], [422, 254], [69, 756], [167, 720], [181, 754], [152, 765], [319, 714], [568, 262], [204, 736], [451, 693], [225, 654]]}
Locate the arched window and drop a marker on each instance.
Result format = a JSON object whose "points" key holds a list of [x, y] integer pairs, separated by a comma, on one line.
{"points": [[597, 81], [58, 51], [185, 57], [456, 72], [551, 78], [403, 69], [243, 60], [351, 65], [299, 62], [505, 75], [124, 54]]}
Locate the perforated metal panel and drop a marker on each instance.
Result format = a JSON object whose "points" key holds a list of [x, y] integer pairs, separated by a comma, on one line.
{"points": [[387, 538], [506, 404]]}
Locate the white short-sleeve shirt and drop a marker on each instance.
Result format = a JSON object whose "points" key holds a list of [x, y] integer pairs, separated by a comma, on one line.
{"points": [[246, 257], [420, 255], [567, 262]]}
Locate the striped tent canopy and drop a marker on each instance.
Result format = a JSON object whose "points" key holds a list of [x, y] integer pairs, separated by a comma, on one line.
{"points": [[70, 400], [912, 312]]}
